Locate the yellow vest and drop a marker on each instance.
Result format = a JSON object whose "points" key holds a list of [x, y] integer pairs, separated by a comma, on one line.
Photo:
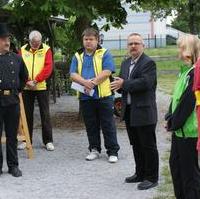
{"points": [[104, 89], [35, 63]]}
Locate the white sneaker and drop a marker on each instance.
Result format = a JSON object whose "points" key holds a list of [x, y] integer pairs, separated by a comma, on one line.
{"points": [[50, 146], [94, 154], [21, 146], [112, 159]]}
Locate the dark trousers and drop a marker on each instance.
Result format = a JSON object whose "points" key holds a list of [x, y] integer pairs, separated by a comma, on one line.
{"points": [[184, 168], [43, 102], [9, 117], [98, 114], [143, 141]]}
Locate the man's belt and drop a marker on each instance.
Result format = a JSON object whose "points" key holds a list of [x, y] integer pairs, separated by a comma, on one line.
{"points": [[6, 92]]}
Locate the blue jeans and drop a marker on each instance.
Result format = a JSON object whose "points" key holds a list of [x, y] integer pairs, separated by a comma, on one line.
{"points": [[97, 115]]}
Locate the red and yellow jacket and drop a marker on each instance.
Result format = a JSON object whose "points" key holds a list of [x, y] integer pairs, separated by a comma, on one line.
{"points": [[39, 64], [196, 88]]}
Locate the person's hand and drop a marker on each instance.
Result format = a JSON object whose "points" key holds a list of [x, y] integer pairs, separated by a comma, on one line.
{"points": [[88, 84], [31, 84], [117, 83], [166, 126]]}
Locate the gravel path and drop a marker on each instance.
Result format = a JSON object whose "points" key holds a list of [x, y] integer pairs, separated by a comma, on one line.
{"points": [[64, 174]]}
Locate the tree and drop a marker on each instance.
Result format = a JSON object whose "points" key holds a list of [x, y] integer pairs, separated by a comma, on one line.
{"points": [[3, 2], [186, 9], [188, 18], [78, 14]]}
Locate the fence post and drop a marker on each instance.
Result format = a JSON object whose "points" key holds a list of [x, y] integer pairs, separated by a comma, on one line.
{"points": [[155, 41], [120, 47], [161, 41]]}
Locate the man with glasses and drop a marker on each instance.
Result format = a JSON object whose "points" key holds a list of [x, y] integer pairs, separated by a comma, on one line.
{"points": [[137, 82], [38, 59], [13, 75]]}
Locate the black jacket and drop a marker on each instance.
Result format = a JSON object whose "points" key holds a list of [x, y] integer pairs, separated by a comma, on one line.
{"points": [[142, 87], [13, 76]]}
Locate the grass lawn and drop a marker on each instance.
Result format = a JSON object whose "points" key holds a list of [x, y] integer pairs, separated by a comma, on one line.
{"points": [[167, 51], [166, 188]]}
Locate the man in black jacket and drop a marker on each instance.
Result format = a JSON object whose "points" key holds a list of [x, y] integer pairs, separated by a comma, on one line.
{"points": [[137, 82], [13, 74]]}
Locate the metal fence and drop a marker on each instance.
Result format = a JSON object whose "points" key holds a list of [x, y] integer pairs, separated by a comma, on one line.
{"points": [[150, 42]]}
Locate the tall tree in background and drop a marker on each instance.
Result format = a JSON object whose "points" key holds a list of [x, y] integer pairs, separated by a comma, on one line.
{"points": [[78, 14], [188, 15]]}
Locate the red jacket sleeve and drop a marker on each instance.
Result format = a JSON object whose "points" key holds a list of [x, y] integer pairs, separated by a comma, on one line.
{"points": [[47, 70], [196, 85]]}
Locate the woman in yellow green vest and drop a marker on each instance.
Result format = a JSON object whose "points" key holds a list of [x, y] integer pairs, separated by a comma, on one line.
{"points": [[182, 121], [92, 67]]}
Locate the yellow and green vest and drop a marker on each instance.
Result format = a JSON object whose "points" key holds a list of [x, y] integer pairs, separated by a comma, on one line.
{"points": [[104, 89], [34, 61]]}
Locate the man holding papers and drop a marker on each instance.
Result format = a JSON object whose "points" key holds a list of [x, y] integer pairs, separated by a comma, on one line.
{"points": [[91, 69]]}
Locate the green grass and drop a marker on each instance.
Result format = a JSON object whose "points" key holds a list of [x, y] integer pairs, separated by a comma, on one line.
{"points": [[165, 190], [166, 82], [169, 65], [167, 51]]}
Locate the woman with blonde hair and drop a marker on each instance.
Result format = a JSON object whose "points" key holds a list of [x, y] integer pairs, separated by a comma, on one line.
{"points": [[182, 121]]}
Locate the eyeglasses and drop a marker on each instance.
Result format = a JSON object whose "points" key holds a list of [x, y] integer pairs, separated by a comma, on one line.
{"points": [[34, 42], [134, 43]]}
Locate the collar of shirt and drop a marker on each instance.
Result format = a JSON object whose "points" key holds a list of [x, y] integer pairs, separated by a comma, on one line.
{"points": [[135, 60], [4, 53]]}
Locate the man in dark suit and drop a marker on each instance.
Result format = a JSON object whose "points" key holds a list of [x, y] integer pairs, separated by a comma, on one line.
{"points": [[13, 76], [137, 83]]}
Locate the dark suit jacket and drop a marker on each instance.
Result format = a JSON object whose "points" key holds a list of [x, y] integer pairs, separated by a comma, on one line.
{"points": [[142, 87]]}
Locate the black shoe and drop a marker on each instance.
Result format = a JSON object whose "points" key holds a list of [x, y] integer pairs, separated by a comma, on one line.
{"points": [[146, 184], [15, 171], [1, 172], [133, 179]]}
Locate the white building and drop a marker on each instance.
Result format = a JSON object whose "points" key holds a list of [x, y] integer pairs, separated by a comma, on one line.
{"points": [[153, 32]]}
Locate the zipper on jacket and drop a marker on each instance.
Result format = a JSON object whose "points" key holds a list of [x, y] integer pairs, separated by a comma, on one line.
{"points": [[33, 67], [95, 65], [183, 133]]}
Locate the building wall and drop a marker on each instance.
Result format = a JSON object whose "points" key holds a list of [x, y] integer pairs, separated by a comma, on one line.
{"points": [[137, 22]]}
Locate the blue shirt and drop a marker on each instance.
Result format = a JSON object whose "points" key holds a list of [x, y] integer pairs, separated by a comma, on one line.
{"points": [[88, 69]]}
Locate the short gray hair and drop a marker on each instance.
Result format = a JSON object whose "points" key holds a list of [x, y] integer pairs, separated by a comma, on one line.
{"points": [[35, 34], [137, 34]]}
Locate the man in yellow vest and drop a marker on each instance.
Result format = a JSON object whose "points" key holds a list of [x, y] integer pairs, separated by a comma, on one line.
{"points": [[92, 67], [38, 59]]}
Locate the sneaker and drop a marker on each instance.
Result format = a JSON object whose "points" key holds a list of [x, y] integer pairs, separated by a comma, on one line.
{"points": [[15, 172], [21, 146], [112, 159], [50, 146], [94, 154]]}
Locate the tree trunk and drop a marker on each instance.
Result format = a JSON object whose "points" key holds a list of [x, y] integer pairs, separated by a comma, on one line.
{"points": [[191, 5], [81, 24]]}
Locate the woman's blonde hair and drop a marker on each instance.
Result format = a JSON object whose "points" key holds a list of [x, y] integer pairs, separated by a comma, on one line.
{"points": [[190, 44]]}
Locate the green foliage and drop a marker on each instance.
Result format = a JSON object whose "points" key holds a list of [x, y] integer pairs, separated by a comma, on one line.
{"points": [[188, 17], [3, 2]]}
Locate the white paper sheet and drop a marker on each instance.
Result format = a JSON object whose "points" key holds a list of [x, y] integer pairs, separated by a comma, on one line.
{"points": [[80, 88]]}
